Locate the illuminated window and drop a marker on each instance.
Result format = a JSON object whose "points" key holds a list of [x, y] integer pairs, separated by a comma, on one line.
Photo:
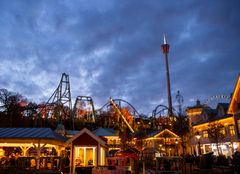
{"points": [[222, 131], [114, 142], [89, 157], [85, 156], [205, 134], [231, 130], [238, 123], [102, 161]]}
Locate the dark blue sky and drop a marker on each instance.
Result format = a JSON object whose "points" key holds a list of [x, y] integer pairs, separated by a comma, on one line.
{"points": [[112, 48]]}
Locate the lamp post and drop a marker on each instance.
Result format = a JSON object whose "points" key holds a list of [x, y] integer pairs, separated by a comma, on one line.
{"points": [[176, 141], [198, 136], [165, 49]]}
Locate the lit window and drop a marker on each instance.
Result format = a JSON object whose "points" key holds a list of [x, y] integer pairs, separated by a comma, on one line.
{"points": [[205, 134], [231, 130], [102, 160], [238, 122], [85, 156], [222, 131], [114, 142]]}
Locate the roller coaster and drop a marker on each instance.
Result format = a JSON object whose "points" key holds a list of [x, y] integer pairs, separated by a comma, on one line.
{"points": [[111, 115], [84, 109], [59, 106], [160, 117], [116, 110]]}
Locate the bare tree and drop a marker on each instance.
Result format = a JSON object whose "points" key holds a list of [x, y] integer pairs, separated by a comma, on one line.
{"points": [[10, 104]]}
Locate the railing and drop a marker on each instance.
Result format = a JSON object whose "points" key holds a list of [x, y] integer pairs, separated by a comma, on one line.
{"points": [[22, 165]]}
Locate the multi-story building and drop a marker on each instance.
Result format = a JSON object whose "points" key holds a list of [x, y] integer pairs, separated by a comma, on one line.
{"points": [[112, 138], [225, 114], [234, 109], [163, 142]]}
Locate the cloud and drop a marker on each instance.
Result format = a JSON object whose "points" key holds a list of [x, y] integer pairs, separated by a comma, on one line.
{"points": [[113, 49]]}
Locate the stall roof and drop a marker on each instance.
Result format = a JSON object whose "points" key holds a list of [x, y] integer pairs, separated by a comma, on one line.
{"points": [[105, 132], [85, 130], [30, 133], [166, 133]]}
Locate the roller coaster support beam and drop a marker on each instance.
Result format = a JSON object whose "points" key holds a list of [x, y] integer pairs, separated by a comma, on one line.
{"points": [[118, 110]]}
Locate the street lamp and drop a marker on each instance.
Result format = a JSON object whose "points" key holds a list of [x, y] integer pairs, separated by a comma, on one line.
{"points": [[176, 142], [198, 136], [160, 149]]}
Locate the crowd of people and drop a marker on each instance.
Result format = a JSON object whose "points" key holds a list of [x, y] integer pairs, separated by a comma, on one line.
{"points": [[16, 160], [207, 161], [236, 162], [9, 160]]}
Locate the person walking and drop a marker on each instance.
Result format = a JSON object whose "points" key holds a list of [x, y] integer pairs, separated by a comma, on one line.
{"points": [[236, 162]]}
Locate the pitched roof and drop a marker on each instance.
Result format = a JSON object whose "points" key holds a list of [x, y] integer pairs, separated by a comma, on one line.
{"points": [[85, 130], [166, 133], [224, 105], [30, 133], [105, 132], [212, 119], [235, 97]]}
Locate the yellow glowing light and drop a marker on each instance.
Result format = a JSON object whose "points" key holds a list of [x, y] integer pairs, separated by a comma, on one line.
{"points": [[1, 152], [228, 120], [235, 97]]}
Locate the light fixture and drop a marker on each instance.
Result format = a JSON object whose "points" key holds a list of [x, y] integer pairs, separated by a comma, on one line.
{"points": [[198, 136], [176, 141]]}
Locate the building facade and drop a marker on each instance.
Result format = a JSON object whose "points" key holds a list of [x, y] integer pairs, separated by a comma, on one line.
{"points": [[87, 151], [224, 120]]}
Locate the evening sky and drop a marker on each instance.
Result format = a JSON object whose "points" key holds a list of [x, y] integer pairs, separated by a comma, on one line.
{"points": [[113, 48]]}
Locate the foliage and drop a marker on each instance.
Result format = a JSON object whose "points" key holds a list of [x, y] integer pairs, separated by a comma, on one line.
{"points": [[124, 131], [141, 133], [15, 110], [9, 101], [215, 133], [181, 126], [11, 105]]}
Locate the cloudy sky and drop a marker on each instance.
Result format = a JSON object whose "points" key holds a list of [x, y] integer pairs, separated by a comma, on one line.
{"points": [[112, 48]]}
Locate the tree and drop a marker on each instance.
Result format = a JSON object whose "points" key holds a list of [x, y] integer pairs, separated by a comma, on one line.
{"points": [[181, 127], [140, 134], [124, 131], [10, 104], [30, 113], [216, 133]]}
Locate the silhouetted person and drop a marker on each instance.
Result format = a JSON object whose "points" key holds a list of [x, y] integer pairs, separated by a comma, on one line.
{"points": [[12, 160], [236, 161], [166, 165]]}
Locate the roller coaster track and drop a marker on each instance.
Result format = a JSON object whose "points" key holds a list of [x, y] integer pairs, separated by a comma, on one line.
{"points": [[84, 99], [119, 101]]}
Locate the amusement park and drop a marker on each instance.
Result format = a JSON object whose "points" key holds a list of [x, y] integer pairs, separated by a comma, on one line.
{"points": [[62, 136]]}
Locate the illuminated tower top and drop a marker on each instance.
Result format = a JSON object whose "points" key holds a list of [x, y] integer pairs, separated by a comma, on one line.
{"points": [[165, 46]]}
